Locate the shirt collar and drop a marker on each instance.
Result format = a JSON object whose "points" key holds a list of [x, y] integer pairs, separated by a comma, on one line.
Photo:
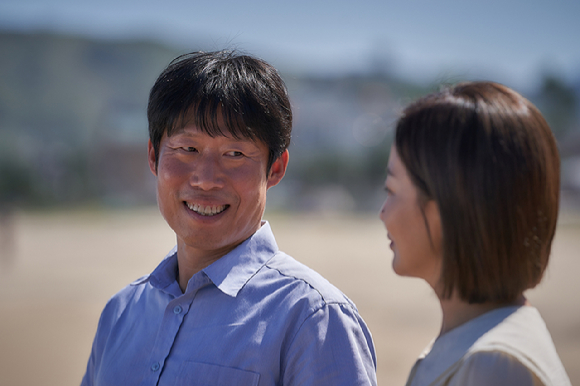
{"points": [[450, 347], [164, 274], [229, 273]]}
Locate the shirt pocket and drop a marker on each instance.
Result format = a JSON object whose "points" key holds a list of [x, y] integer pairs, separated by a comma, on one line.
{"points": [[203, 374]]}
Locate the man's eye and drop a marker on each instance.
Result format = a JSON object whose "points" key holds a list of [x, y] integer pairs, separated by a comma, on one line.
{"points": [[189, 149], [235, 153]]}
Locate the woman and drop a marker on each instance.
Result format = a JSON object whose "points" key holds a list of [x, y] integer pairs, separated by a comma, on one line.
{"points": [[473, 194]]}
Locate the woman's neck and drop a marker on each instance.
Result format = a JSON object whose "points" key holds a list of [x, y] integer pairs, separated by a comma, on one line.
{"points": [[457, 311]]}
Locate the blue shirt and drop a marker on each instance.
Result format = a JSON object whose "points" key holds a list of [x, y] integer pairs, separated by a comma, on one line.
{"points": [[256, 316]]}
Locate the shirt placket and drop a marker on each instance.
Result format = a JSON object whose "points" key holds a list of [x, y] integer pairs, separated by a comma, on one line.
{"points": [[173, 317]]}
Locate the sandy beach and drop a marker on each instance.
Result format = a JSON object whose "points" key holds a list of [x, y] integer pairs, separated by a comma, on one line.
{"points": [[63, 266]]}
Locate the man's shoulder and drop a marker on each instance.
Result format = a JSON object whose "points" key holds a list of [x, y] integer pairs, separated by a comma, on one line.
{"points": [[292, 270]]}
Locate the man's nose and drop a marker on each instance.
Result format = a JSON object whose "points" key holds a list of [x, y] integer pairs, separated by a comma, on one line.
{"points": [[207, 173]]}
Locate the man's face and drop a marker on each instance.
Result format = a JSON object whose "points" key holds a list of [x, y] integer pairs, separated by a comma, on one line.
{"points": [[212, 190]]}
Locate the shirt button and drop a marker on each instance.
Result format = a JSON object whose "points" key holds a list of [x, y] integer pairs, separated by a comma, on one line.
{"points": [[155, 366], [177, 310]]}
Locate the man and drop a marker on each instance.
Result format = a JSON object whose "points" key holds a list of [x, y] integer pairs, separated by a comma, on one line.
{"points": [[225, 306]]}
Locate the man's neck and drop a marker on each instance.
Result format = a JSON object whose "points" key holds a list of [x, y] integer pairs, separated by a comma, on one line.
{"points": [[191, 260]]}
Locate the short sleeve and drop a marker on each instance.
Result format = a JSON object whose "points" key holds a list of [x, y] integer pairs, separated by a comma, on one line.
{"points": [[332, 347], [496, 368]]}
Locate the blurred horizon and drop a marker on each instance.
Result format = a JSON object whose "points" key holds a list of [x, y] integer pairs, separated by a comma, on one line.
{"points": [[75, 77]]}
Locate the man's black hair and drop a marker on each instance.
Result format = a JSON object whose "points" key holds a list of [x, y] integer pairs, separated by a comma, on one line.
{"points": [[221, 90]]}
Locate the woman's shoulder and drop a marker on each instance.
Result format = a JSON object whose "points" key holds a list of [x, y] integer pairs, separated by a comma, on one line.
{"points": [[494, 368], [522, 330], [512, 343], [519, 344]]}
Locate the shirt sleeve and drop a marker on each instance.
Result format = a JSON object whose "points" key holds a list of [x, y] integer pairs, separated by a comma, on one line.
{"points": [[332, 347], [89, 377], [496, 368]]}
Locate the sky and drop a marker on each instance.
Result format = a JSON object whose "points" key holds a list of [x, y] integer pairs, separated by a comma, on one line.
{"points": [[510, 41]]}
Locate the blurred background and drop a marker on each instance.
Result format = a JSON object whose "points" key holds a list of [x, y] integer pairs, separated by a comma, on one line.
{"points": [[77, 200]]}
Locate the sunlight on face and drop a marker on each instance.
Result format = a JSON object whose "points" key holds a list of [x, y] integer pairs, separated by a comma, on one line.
{"points": [[415, 232], [212, 190]]}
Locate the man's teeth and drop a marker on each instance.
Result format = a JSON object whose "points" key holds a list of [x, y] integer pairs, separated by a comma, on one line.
{"points": [[206, 210]]}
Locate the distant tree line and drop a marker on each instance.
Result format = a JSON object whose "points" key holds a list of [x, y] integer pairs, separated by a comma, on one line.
{"points": [[74, 131]]}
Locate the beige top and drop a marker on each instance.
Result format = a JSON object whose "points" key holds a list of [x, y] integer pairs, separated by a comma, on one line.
{"points": [[506, 346]]}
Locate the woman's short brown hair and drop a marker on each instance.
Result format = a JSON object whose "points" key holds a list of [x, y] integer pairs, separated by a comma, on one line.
{"points": [[489, 160]]}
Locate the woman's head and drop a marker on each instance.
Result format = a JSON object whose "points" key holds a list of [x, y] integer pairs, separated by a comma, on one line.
{"points": [[488, 160]]}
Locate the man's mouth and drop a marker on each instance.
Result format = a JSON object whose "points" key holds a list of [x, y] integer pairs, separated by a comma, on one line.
{"points": [[206, 210]]}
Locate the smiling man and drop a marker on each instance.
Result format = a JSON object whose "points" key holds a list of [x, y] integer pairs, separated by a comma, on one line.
{"points": [[225, 306]]}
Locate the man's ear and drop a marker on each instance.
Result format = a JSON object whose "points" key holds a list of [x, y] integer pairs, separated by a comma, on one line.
{"points": [[278, 169], [151, 157]]}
